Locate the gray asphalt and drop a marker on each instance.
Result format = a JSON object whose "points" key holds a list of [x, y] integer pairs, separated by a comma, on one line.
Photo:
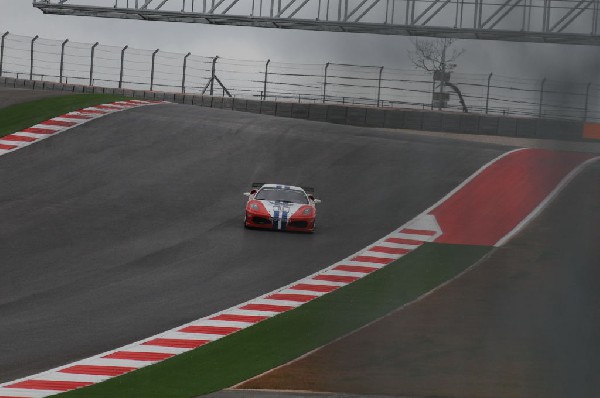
{"points": [[132, 224], [11, 96]]}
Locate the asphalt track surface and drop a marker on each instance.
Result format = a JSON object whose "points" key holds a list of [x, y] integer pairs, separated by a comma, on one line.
{"points": [[132, 224]]}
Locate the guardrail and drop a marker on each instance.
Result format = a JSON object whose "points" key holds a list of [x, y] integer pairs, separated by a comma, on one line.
{"points": [[36, 58]]}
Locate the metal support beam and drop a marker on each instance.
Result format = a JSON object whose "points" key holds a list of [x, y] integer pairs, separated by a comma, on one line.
{"points": [[325, 82], [2, 52], [31, 59], [152, 70], [587, 97], [487, 96], [62, 59], [121, 71], [92, 64], [541, 97], [213, 75], [184, 72], [379, 86], [266, 77]]}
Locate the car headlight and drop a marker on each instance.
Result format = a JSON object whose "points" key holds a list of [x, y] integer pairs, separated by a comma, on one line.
{"points": [[254, 206], [307, 211]]}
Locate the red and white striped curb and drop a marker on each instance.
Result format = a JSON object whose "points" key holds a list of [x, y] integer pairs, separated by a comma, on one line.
{"points": [[20, 139]]}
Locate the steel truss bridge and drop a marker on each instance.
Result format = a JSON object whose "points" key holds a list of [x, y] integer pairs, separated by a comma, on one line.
{"points": [[538, 21]]}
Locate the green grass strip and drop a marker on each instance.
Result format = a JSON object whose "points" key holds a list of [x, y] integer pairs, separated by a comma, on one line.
{"points": [[285, 337], [21, 116]]}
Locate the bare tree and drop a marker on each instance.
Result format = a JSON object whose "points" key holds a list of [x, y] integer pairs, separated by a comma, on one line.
{"points": [[437, 57]]}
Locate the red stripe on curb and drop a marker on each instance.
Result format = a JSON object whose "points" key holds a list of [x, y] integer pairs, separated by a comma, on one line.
{"points": [[91, 111], [177, 343], [66, 116], [314, 288], [355, 268], [336, 278], [220, 330], [37, 130], [58, 123], [417, 232], [371, 259], [403, 241], [139, 356], [111, 107], [98, 370], [50, 385], [239, 318], [302, 298], [20, 138], [7, 147], [267, 307], [389, 250]]}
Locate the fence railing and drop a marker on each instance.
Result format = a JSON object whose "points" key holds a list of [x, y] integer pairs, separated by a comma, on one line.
{"points": [[66, 61]]}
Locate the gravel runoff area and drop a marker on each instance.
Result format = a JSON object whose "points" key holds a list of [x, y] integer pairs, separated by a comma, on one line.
{"points": [[523, 323], [11, 96]]}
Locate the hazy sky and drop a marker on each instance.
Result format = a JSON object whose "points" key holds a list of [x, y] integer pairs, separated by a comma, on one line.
{"points": [[578, 63]]}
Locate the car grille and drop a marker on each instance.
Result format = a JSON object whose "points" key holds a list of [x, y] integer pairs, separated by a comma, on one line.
{"points": [[298, 224]]}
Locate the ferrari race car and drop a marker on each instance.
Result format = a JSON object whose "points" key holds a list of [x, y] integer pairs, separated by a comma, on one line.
{"points": [[281, 207]]}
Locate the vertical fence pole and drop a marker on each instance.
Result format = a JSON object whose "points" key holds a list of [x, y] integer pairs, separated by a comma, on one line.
{"points": [[541, 97], [92, 64], [152, 70], [31, 59], [587, 97], [212, 79], [325, 82], [184, 70], [265, 82], [2, 51], [487, 96], [62, 59], [122, 65], [379, 86]]}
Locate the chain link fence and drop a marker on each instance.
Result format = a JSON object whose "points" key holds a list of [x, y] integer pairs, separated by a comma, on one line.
{"points": [[71, 62]]}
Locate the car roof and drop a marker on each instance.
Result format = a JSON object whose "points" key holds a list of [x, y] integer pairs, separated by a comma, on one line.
{"points": [[283, 187]]}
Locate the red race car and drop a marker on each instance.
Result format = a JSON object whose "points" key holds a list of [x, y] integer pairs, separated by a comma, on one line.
{"points": [[281, 207]]}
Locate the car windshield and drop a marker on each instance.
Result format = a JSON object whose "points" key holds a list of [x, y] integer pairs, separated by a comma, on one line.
{"points": [[282, 195]]}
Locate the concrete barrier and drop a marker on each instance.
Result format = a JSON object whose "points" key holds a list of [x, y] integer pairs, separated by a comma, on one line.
{"points": [[488, 125], [228, 102], [507, 126], [394, 118], [88, 89], [253, 106], [451, 122], [207, 101], [217, 102], [239, 105], [284, 109], [179, 98], [432, 121], [413, 120], [374, 117], [560, 129], [356, 116], [300, 111], [527, 128], [188, 99], [268, 108], [98, 90], [469, 124], [337, 114], [317, 112]]}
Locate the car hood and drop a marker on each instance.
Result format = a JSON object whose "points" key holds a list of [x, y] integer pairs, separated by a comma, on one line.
{"points": [[282, 210]]}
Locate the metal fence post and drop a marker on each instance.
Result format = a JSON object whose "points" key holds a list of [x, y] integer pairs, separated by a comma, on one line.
{"points": [[265, 82], [587, 97], [379, 86], [325, 81], [184, 69], [31, 60], [2, 52], [487, 96], [92, 63], [152, 70], [121, 71], [62, 59], [212, 79], [541, 97]]}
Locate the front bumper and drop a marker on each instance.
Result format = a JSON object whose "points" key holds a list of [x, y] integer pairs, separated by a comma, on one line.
{"points": [[300, 224]]}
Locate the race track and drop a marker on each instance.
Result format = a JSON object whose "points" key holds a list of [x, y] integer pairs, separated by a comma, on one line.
{"points": [[132, 224]]}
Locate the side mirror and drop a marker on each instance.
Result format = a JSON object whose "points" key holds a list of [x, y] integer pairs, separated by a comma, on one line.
{"points": [[246, 194], [317, 201]]}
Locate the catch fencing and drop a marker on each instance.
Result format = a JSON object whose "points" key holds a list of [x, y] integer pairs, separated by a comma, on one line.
{"points": [[71, 62]]}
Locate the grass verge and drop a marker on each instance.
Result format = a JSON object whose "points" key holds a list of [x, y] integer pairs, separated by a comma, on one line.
{"points": [[278, 340], [20, 116]]}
